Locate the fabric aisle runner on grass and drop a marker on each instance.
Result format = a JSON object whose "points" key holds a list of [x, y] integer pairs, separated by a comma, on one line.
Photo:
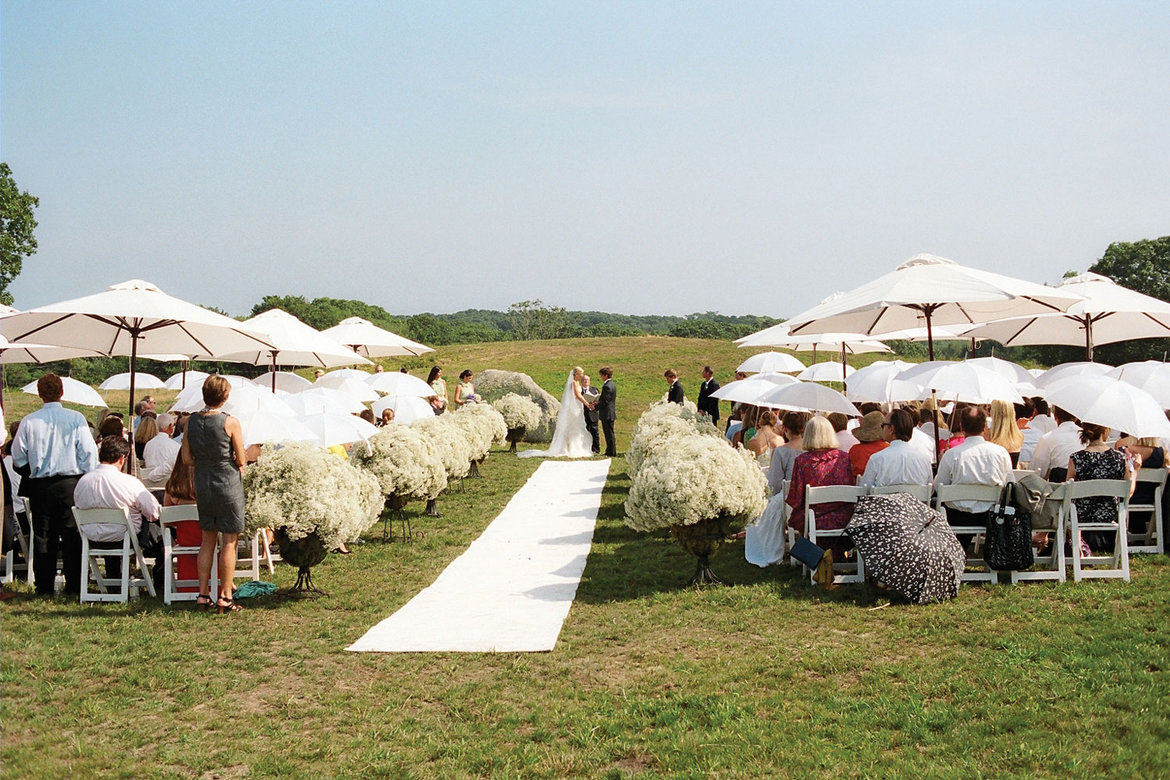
{"points": [[512, 589]]}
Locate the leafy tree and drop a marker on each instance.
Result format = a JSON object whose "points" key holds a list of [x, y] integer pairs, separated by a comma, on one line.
{"points": [[534, 320], [17, 224], [1142, 266]]}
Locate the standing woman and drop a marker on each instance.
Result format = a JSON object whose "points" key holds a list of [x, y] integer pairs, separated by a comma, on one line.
{"points": [[214, 444], [465, 391], [439, 385]]}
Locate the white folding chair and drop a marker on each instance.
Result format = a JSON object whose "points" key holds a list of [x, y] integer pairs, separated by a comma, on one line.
{"points": [[252, 553], [168, 518], [851, 571], [947, 494], [921, 492], [1051, 566], [1115, 566], [128, 551], [1149, 540]]}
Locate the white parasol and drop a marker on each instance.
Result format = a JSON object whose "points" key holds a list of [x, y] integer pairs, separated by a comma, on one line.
{"points": [[283, 380], [808, 396], [768, 362], [75, 392], [366, 338], [749, 390], [1153, 376], [830, 371], [122, 382], [1111, 402], [330, 428], [874, 382], [398, 383], [407, 408]]}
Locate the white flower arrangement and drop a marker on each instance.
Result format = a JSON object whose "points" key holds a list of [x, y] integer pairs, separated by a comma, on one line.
{"points": [[518, 411], [661, 426], [406, 464], [483, 426], [302, 488], [450, 443], [696, 478]]}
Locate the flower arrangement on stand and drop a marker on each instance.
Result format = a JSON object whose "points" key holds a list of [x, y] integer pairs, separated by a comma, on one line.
{"points": [[519, 415], [694, 484], [483, 427], [450, 445], [660, 425], [312, 500], [407, 466]]}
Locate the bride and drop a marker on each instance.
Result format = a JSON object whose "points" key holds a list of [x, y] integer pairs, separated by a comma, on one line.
{"points": [[571, 439]]}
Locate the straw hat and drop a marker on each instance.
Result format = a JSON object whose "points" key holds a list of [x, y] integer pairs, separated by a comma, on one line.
{"points": [[871, 427]]}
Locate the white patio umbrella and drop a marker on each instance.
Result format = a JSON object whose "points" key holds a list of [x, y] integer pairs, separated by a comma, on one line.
{"points": [[1065, 370], [808, 396], [293, 343], [831, 371], [397, 383], [323, 399], [366, 338], [330, 428], [283, 380], [1107, 313], [349, 385], [873, 383], [959, 381], [75, 392], [122, 382], [179, 381], [768, 362], [132, 318], [266, 426], [1153, 376], [245, 397], [1013, 372], [748, 391], [342, 373], [23, 352], [407, 408], [1107, 401], [926, 291]]}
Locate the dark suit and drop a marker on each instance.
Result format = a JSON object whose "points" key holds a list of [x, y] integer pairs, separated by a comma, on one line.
{"points": [[675, 394], [607, 413], [591, 395], [706, 402]]}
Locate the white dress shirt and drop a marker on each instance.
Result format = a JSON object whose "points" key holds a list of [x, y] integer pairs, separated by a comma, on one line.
{"points": [[924, 443], [108, 488], [159, 456], [974, 462], [1055, 448], [845, 440], [899, 464], [54, 442], [1043, 423]]}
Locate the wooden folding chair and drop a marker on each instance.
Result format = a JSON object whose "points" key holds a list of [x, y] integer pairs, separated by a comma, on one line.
{"points": [[1115, 566], [851, 571], [947, 494]]}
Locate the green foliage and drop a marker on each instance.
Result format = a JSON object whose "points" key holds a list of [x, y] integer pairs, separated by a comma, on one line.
{"points": [[532, 320], [17, 226], [1143, 266]]}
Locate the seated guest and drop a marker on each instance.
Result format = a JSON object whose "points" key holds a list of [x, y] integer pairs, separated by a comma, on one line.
{"points": [[159, 455], [1100, 461], [367, 415], [821, 464], [111, 426], [107, 487], [1024, 412], [747, 431], [957, 436], [180, 487], [870, 439], [1042, 419], [1050, 459], [845, 438], [974, 462], [1153, 456], [766, 440], [792, 429], [147, 429], [901, 463], [387, 416], [930, 419], [1004, 431]]}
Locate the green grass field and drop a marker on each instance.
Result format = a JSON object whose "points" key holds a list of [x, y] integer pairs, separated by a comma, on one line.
{"points": [[767, 677]]}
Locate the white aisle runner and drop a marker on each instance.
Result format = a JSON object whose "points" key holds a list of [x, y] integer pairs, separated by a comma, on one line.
{"points": [[512, 589]]}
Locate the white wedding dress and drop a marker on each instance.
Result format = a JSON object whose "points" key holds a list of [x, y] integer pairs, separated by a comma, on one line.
{"points": [[570, 439]]}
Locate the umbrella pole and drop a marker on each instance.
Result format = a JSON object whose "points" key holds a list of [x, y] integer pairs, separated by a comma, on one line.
{"points": [[843, 365], [132, 461], [1088, 339], [934, 424], [185, 363], [929, 336], [274, 373]]}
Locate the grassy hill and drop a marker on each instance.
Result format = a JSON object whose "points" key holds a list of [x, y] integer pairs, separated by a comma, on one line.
{"points": [[765, 678]]}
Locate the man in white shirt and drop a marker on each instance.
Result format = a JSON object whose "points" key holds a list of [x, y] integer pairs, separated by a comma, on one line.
{"points": [[845, 438], [159, 456], [108, 487], [974, 462], [1050, 460], [901, 463]]}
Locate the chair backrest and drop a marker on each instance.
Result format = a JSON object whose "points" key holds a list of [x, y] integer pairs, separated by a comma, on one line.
{"points": [[103, 516], [1156, 477], [828, 494], [1105, 488], [169, 515], [921, 492], [946, 494]]}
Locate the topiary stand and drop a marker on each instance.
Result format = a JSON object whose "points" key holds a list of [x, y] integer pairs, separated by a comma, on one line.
{"points": [[304, 553], [701, 540], [515, 435]]}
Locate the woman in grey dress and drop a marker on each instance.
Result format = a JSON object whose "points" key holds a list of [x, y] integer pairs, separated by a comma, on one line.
{"points": [[214, 445]]}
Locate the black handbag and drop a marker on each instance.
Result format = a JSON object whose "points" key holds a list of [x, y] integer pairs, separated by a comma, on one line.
{"points": [[1008, 543]]}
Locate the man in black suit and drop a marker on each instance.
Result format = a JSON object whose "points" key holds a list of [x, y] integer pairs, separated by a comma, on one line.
{"points": [[708, 405], [591, 414], [607, 410], [675, 394]]}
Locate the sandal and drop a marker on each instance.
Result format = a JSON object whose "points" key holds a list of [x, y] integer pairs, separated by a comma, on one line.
{"points": [[227, 605], [203, 602]]}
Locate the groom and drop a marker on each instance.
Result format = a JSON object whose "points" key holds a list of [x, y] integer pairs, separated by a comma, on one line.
{"points": [[591, 413], [607, 409]]}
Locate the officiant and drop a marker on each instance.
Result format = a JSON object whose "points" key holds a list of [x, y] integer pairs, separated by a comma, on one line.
{"points": [[591, 395]]}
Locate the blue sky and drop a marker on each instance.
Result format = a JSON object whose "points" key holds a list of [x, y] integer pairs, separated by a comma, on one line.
{"points": [[651, 157]]}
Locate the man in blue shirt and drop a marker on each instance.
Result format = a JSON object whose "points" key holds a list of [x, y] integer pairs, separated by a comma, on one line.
{"points": [[52, 449]]}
